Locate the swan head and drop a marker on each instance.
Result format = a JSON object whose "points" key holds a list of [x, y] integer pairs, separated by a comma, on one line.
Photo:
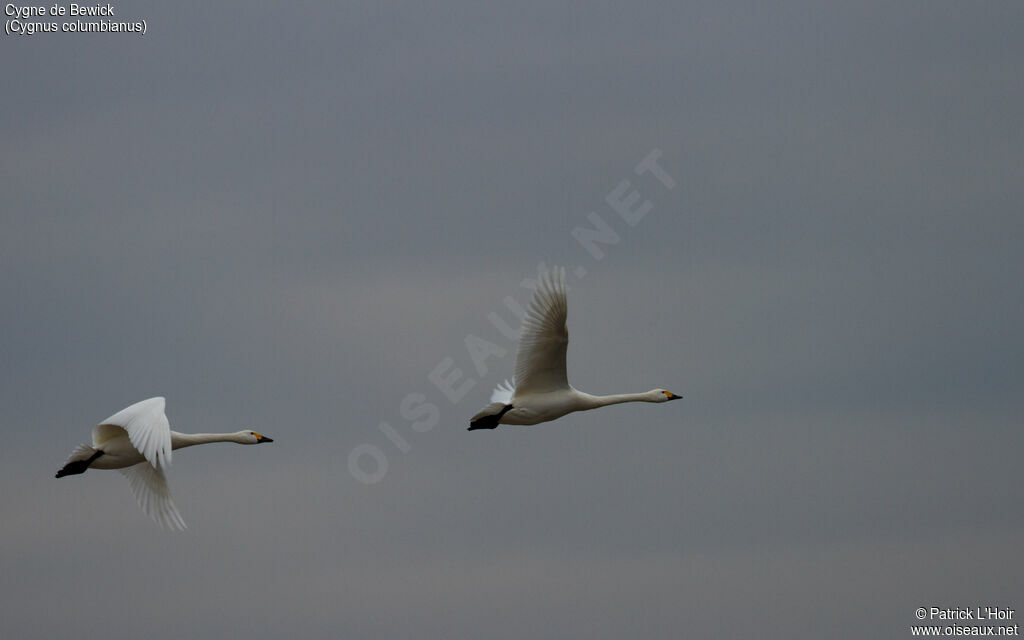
{"points": [[662, 395], [251, 437]]}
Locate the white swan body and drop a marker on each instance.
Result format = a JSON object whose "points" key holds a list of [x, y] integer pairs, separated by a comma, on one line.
{"points": [[530, 409], [138, 441], [542, 391]]}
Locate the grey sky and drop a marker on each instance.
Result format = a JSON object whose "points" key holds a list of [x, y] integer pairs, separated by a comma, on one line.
{"points": [[284, 217]]}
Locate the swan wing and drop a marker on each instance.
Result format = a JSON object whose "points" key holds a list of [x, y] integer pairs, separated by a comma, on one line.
{"points": [[147, 428], [151, 491], [503, 393], [540, 361]]}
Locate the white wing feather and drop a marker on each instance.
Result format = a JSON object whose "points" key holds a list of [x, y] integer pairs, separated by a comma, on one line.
{"points": [[149, 486], [503, 393], [540, 361], [147, 428]]}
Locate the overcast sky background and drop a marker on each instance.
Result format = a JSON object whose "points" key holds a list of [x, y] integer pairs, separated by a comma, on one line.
{"points": [[284, 216]]}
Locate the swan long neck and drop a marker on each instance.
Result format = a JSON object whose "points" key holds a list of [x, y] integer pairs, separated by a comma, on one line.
{"points": [[593, 402], [182, 440]]}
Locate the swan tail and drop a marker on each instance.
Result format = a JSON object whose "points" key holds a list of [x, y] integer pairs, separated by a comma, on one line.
{"points": [[79, 460], [489, 416]]}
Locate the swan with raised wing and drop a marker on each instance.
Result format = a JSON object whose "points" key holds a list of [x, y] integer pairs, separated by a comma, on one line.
{"points": [[138, 442], [542, 392]]}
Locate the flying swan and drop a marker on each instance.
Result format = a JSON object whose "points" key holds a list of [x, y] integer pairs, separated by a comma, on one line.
{"points": [[542, 392], [138, 442]]}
